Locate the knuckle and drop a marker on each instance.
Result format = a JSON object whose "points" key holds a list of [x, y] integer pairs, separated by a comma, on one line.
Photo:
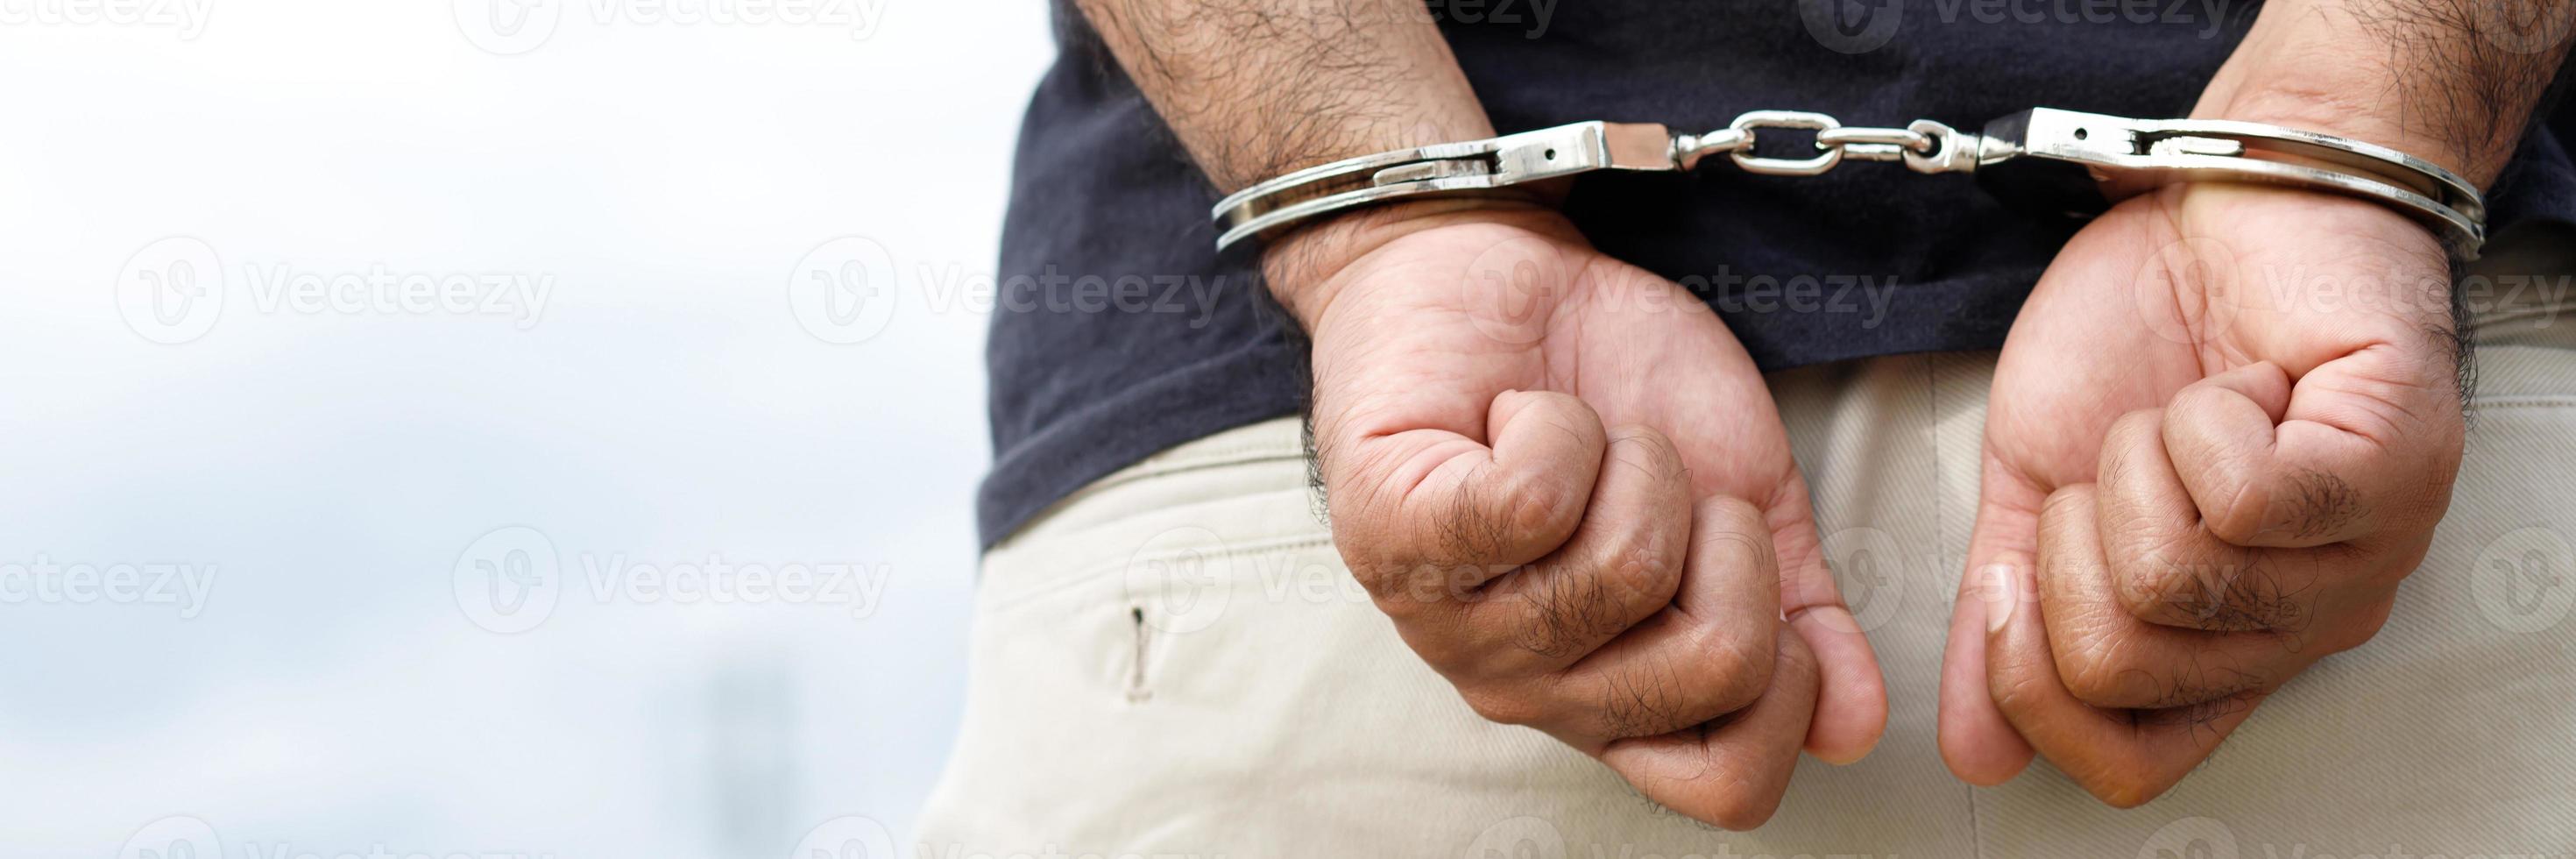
{"points": [[2153, 579], [1738, 665], [1543, 508], [1795, 662], [2015, 692], [2121, 785], [1561, 614], [2099, 688], [1446, 656], [1645, 448], [1640, 565], [1471, 531], [1743, 809], [1500, 704], [2100, 672], [2317, 504], [2239, 517], [2364, 626]]}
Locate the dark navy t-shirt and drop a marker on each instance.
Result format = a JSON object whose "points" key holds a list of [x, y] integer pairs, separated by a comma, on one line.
{"points": [[1120, 331]]}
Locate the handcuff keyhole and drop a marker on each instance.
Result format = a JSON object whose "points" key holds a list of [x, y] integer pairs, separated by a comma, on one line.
{"points": [[1549, 155], [2080, 134]]}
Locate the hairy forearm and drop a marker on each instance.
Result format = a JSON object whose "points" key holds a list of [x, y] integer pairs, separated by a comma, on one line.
{"points": [[2454, 81], [1259, 88], [1256, 88]]}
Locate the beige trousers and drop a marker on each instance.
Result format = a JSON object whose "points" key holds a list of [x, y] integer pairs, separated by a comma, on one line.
{"points": [[1175, 662]]}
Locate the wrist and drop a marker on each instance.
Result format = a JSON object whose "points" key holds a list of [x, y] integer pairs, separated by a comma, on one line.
{"points": [[2309, 102], [1301, 266], [2428, 84]]}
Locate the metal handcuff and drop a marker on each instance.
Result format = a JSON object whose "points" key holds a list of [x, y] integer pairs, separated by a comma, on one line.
{"points": [[2045, 159]]}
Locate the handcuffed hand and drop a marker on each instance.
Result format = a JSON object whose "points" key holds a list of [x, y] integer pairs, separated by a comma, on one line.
{"points": [[2221, 431], [1565, 482]]}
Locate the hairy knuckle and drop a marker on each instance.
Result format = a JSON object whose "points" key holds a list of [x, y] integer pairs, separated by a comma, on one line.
{"points": [[1560, 614], [1643, 704]]}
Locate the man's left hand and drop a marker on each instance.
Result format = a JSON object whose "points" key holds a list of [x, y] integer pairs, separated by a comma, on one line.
{"points": [[2221, 431]]}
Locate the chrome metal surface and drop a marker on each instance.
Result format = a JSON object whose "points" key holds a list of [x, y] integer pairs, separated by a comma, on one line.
{"points": [[2127, 155], [2061, 161]]}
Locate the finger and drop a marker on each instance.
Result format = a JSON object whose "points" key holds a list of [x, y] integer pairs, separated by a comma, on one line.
{"points": [[1733, 771], [2107, 657], [2356, 448], [1621, 566], [1429, 515], [1707, 654], [1851, 697], [2123, 757], [2167, 568], [1977, 743]]}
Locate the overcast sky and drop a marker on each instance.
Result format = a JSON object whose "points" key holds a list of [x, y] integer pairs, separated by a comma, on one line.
{"points": [[507, 426]]}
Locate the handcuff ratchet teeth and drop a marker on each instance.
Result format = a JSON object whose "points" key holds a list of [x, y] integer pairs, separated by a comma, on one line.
{"points": [[2044, 160]]}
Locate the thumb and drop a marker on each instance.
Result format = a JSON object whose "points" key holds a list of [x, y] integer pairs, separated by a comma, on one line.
{"points": [[1979, 746], [1851, 696]]}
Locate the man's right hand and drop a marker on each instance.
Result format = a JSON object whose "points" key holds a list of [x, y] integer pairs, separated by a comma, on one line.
{"points": [[1564, 480]]}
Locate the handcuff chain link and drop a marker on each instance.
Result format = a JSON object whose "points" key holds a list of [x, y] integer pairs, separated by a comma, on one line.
{"points": [[1922, 144], [2064, 161]]}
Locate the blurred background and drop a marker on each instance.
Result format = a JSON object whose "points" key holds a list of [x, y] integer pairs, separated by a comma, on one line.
{"points": [[499, 427]]}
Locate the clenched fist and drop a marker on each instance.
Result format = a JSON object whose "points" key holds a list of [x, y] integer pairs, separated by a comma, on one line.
{"points": [[1565, 482], [2221, 432]]}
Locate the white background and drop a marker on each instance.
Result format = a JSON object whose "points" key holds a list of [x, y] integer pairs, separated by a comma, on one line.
{"points": [[335, 463]]}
